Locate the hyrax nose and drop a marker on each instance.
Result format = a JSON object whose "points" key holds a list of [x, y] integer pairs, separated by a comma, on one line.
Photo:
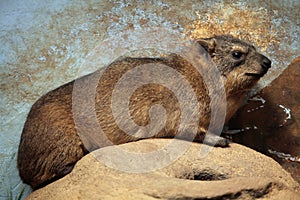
{"points": [[266, 63]]}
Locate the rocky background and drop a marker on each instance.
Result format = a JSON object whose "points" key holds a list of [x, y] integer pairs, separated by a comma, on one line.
{"points": [[44, 43]]}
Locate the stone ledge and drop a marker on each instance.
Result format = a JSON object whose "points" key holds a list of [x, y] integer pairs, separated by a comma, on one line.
{"points": [[236, 172]]}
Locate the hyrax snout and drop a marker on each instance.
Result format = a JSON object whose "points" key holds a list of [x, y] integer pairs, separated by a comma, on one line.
{"points": [[51, 145]]}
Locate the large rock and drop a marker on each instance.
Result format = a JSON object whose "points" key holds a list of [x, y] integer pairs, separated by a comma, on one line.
{"points": [[236, 172], [271, 123]]}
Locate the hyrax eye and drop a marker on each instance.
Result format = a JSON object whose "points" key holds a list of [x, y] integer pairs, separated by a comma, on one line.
{"points": [[237, 55]]}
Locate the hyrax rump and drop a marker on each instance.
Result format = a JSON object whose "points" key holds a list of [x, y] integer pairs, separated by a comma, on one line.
{"points": [[50, 145]]}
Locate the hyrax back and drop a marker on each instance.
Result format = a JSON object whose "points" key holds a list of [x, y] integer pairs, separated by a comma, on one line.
{"points": [[50, 145]]}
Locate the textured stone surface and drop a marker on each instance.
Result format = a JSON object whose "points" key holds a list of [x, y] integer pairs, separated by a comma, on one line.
{"points": [[231, 173], [276, 115], [44, 43]]}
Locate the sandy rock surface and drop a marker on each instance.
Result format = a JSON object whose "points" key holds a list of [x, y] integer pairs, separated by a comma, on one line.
{"points": [[236, 172]]}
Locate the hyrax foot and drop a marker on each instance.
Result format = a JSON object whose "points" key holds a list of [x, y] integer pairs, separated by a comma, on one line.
{"points": [[215, 140], [222, 142]]}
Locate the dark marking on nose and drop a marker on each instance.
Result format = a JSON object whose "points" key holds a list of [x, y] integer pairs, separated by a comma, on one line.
{"points": [[266, 63]]}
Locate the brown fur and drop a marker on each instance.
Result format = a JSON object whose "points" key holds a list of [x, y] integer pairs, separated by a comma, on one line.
{"points": [[50, 145]]}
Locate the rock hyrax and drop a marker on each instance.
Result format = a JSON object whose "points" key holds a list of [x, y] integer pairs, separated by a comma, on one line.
{"points": [[50, 145]]}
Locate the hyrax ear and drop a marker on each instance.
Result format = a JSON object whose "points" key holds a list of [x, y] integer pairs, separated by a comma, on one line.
{"points": [[208, 44]]}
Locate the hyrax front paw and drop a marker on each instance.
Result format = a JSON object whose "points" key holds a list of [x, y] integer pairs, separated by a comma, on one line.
{"points": [[222, 142], [215, 140]]}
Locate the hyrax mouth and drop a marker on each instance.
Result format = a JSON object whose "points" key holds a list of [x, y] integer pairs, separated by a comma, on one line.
{"points": [[258, 75]]}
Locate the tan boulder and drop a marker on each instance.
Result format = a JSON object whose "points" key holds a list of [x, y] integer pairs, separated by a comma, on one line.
{"points": [[236, 172]]}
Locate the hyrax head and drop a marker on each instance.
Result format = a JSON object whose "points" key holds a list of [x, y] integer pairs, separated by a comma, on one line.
{"points": [[239, 62]]}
